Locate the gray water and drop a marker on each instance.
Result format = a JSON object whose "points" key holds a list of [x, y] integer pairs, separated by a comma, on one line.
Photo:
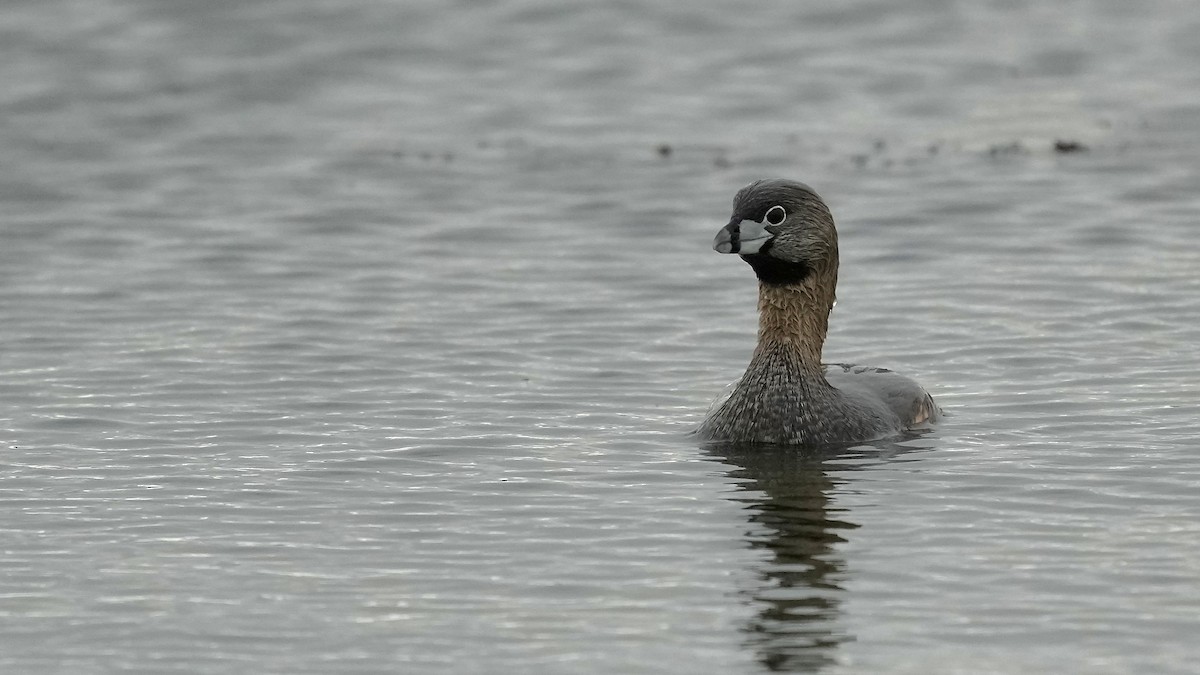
{"points": [[364, 337]]}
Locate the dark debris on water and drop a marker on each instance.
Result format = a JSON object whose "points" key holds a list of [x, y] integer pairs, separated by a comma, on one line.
{"points": [[1065, 146]]}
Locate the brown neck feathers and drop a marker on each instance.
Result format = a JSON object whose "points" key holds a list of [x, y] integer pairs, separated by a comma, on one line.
{"points": [[795, 318]]}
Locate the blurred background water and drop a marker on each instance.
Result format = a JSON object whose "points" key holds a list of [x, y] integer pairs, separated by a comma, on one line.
{"points": [[364, 336]]}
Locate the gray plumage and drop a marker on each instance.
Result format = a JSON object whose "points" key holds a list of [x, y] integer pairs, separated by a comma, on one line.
{"points": [[787, 396]]}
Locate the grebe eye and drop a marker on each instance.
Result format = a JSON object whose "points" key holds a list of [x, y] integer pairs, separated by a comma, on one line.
{"points": [[775, 215]]}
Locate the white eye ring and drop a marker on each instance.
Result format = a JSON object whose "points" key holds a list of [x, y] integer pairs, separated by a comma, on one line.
{"points": [[775, 215]]}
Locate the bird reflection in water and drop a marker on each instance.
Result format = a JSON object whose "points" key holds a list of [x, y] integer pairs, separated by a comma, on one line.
{"points": [[798, 588]]}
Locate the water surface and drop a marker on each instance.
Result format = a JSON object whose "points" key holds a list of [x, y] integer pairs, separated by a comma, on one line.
{"points": [[366, 336]]}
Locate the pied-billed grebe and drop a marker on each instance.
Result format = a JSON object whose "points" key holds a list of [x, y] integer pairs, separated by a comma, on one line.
{"points": [[787, 396]]}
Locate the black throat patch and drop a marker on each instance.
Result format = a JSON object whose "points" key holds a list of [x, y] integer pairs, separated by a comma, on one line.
{"points": [[777, 272]]}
